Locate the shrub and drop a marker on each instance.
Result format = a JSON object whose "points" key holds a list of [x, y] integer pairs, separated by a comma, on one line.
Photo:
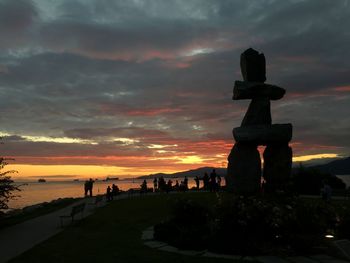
{"points": [[7, 186], [310, 181], [249, 225]]}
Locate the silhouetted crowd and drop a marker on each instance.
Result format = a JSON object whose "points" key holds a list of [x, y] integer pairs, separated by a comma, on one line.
{"points": [[112, 192], [211, 183], [160, 185]]}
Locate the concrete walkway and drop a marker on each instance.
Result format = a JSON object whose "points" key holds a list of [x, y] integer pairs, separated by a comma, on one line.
{"points": [[18, 238]]}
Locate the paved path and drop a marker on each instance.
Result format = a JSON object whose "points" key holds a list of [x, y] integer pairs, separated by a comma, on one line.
{"points": [[16, 239]]}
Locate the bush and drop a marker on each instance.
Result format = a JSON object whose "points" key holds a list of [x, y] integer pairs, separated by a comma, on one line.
{"points": [[249, 225], [7, 186], [187, 227], [310, 181]]}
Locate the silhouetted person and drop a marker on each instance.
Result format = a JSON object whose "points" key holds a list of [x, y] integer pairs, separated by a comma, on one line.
{"points": [[205, 181], [169, 186], [91, 184], [155, 184], [196, 179], [186, 183], [176, 186], [212, 181], [86, 187], [144, 186], [161, 184], [115, 190], [109, 194]]}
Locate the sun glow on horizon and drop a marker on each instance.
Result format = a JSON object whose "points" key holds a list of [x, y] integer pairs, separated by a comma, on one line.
{"points": [[305, 158], [171, 165]]}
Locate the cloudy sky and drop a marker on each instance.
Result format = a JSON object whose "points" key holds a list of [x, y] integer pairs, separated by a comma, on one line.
{"points": [[96, 87]]}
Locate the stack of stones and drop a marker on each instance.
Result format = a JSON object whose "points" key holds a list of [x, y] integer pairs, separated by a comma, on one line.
{"points": [[244, 164]]}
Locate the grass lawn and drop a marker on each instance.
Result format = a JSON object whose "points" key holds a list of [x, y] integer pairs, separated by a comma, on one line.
{"points": [[113, 234]]}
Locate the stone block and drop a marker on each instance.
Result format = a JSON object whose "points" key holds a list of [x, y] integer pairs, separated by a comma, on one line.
{"points": [[253, 65], [258, 113], [263, 134], [244, 90], [244, 169], [277, 166]]}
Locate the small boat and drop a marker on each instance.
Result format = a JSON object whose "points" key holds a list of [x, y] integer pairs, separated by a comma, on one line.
{"points": [[76, 180], [111, 178], [42, 180]]}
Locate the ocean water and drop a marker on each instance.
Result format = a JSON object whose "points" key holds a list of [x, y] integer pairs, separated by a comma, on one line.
{"points": [[34, 192]]}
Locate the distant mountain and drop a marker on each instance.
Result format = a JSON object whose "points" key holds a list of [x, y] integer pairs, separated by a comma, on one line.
{"points": [[337, 167], [190, 173]]}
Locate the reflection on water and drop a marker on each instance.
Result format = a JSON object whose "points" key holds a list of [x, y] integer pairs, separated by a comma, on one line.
{"points": [[35, 192]]}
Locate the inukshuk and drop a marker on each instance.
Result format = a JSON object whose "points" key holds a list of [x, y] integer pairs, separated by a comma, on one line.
{"points": [[244, 164]]}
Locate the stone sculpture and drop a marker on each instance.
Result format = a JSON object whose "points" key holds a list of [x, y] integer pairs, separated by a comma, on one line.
{"points": [[244, 164]]}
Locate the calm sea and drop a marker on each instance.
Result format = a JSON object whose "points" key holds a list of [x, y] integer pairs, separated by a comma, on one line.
{"points": [[33, 192]]}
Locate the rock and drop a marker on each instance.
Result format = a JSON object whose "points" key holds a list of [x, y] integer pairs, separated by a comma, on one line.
{"points": [[244, 169], [258, 113], [277, 166], [244, 90], [253, 66], [263, 134]]}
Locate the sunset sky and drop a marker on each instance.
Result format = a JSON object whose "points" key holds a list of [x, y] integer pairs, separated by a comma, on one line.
{"points": [[102, 87]]}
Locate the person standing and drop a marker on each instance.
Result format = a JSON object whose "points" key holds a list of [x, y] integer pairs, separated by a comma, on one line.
{"points": [[196, 179], [213, 181], [109, 194], [91, 185], [206, 181], [86, 187], [186, 183], [155, 184], [115, 190], [144, 186]]}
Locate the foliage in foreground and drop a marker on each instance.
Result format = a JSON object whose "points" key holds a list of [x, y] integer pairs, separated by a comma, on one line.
{"points": [[309, 181], [251, 225], [7, 186]]}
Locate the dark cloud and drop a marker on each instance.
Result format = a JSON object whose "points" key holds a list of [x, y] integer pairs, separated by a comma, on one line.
{"points": [[162, 72], [17, 19]]}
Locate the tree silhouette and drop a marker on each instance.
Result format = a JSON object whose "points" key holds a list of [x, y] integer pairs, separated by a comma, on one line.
{"points": [[7, 186]]}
